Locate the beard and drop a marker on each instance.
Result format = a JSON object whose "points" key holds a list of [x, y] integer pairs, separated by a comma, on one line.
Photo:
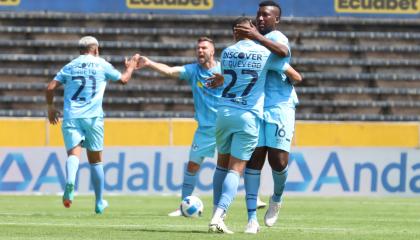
{"points": [[203, 59]]}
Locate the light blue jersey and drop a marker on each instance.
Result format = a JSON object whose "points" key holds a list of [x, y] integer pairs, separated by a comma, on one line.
{"points": [[205, 98], [279, 106], [278, 89], [244, 66], [84, 81]]}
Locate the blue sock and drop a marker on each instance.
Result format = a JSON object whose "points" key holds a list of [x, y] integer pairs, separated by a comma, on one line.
{"points": [[188, 184], [252, 185], [72, 164], [97, 178], [279, 179], [218, 178], [229, 189]]}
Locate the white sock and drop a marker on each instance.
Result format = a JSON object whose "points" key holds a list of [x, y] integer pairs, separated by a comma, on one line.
{"points": [[217, 215]]}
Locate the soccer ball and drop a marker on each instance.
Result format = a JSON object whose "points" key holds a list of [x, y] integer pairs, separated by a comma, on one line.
{"points": [[192, 206]]}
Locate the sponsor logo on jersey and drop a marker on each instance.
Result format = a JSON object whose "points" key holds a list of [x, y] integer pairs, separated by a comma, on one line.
{"points": [[377, 6], [243, 55], [171, 4], [233, 59]]}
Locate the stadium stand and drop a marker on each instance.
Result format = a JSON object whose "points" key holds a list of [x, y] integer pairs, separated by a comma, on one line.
{"points": [[353, 69]]}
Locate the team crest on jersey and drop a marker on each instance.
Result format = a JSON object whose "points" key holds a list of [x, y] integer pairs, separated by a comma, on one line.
{"points": [[194, 147], [200, 84]]}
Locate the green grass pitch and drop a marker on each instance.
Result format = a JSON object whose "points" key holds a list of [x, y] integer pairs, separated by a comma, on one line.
{"points": [[141, 217]]}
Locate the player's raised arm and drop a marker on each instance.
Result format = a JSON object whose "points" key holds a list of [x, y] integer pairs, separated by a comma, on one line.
{"points": [[53, 114], [130, 65], [160, 67], [251, 32]]}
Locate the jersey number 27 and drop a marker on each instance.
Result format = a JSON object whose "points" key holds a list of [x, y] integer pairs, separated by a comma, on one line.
{"points": [[248, 88]]}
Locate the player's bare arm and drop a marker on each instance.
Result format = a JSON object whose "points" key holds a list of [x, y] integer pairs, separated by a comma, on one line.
{"points": [[293, 75], [130, 65], [53, 114], [251, 32], [160, 67]]}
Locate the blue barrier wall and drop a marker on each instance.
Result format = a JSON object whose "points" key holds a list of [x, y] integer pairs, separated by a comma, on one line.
{"points": [[296, 8]]}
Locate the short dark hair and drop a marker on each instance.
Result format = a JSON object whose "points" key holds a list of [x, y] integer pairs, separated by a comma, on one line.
{"points": [[240, 20], [83, 50], [205, 39], [270, 4]]}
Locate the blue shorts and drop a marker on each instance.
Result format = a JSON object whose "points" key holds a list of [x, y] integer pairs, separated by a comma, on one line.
{"points": [[203, 145], [237, 132], [278, 127], [87, 131]]}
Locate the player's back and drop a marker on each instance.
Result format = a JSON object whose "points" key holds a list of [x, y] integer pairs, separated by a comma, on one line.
{"points": [[84, 81], [244, 66]]}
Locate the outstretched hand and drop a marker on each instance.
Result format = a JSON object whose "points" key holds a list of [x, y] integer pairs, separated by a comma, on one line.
{"points": [[133, 62], [53, 115], [143, 62], [246, 31], [215, 81]]}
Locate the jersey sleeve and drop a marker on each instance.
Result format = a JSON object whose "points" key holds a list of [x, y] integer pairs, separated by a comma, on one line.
{"points": [[63, 75], [278, 64], [279, 37], [111, 73], [186, 72]]}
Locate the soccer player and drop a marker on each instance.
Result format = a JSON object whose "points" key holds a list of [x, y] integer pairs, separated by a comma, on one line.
{"points": [[205, 105], [277, 130], [244, 66], [84, 80]]}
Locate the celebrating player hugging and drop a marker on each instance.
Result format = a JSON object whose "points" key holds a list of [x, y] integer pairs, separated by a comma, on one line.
{"points": [[244, 67]]}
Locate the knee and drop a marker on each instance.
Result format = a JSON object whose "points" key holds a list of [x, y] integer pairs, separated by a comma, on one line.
{"points": [[223, 160], [257, 159], [279, 161], [94, 157], [256, 164], [193, 167]]}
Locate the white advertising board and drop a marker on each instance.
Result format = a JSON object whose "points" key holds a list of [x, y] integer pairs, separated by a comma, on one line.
{"points": [[326, 171]]}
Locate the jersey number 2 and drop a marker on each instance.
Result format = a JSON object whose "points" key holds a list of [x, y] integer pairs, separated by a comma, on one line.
{"points": [[75, 96]]}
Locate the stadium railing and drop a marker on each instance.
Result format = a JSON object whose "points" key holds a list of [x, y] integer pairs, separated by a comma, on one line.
{"points": [[189, 101], [180, 114], [109, 114], [141, 88], [37, 86], [191, 45], [336, 76], [201, 32], [107, 100], [355, 117], [41, 72], [185, 60]]}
